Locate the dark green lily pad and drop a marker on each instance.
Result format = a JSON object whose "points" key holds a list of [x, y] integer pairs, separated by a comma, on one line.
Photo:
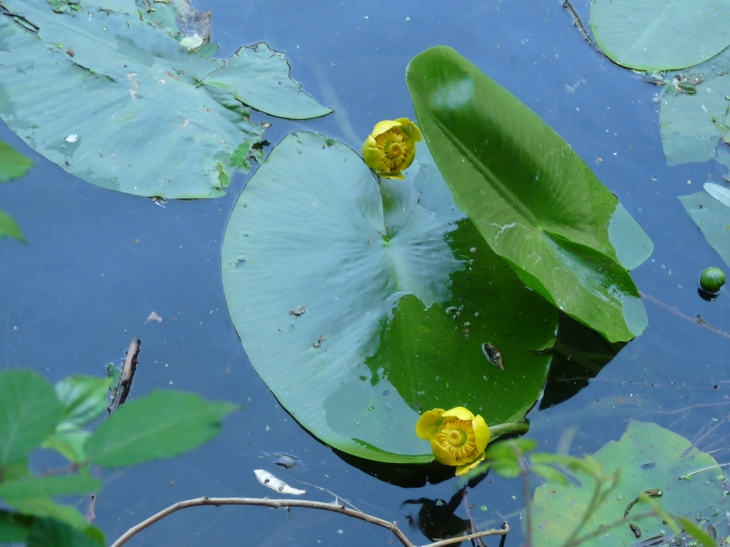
{"points": [[361, 304], [713, 218], [658, 34], [649, 457], [119, 103], [533, 199]]}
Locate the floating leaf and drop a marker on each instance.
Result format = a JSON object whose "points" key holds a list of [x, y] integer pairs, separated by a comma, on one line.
{"points": [[718, 192], [648, 457], [362, 304], [160, 425], [660, 34], [535, 202], [132, 96], [713, 218], [29, 411]]}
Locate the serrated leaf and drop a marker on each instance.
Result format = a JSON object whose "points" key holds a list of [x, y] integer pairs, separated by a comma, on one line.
{"points": [[163, 424], [29, 412]]}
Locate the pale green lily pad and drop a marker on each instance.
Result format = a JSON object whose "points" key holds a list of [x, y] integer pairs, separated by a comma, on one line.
{"points": [[659, 34], [533, 199], [118, 102], [362, 304], [649, 457], [713, 218]]}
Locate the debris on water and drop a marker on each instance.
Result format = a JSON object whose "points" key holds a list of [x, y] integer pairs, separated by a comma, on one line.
{"points": [[72, 138], [269, 480], [296, 311], [493, 355]]}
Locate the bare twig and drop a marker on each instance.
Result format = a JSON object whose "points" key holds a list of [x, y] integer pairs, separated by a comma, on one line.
{"points": [[125, 379], [278, 503], [697, 320], [579, 25], [687, 476]]}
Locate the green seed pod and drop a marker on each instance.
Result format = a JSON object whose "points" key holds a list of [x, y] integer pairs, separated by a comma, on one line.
{"points": [[712, 279]]}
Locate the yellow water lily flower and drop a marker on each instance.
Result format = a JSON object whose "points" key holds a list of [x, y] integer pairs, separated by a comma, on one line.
{"points": [[391, 147], [457, 437]]}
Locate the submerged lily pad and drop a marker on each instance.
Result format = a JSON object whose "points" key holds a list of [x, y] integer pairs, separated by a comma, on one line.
{"points": [[660, 34], [533, 199], [649, 457], [712, 216], [119, 103], [362, 304]]}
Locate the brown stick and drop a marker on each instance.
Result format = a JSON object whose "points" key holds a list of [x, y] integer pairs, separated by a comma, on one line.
{"points": [[266, 502], [125, 379]]}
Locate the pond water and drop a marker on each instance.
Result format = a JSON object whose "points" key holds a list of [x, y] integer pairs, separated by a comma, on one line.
{"points": [[99, 262]]}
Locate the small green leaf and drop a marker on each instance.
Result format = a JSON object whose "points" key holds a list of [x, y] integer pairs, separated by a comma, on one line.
{"points": [[49, 532], [46, 507], [29, 412], [239, 158], [14, 528], [696, 532], [12, 164], [69, 443], [9, 228], [160, 425], [83, 399], [34, 487]]}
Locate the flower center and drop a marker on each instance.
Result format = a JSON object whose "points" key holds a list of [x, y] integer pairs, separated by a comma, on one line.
{"points": [[394, 148], [457, 436]]}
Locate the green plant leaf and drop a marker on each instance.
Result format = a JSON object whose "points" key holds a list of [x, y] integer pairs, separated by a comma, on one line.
{"points": [[647, 457], [49, 532], [14, 528], [400, 293], [69, 443], [116, 77], [535, 202], [9, 228], [713, 218], [13, 164], [660, 35], [29, 411], [45, 507], [160, 425], [83, 399], [34, 487]]}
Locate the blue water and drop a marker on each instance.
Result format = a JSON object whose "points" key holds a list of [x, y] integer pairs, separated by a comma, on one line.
{"points": [[99, 262]]}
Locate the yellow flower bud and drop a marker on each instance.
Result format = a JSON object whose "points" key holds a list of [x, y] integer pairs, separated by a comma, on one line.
{"points": [[457, 437], [391, 147]]}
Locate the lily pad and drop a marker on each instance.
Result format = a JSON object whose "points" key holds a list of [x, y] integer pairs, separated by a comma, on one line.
{"points": [[362, 303], [713, 218], [649, 457], [533, 199], [660, 34], [119, 103]]}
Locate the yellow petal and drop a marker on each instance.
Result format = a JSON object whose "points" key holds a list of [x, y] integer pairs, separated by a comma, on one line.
{"points": [[385, 125], [409, 159], [464, 469], [461, 413], [371, 154], [410, 129], [481, 433], [397, 175], [428, 423], [442, 455]]}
